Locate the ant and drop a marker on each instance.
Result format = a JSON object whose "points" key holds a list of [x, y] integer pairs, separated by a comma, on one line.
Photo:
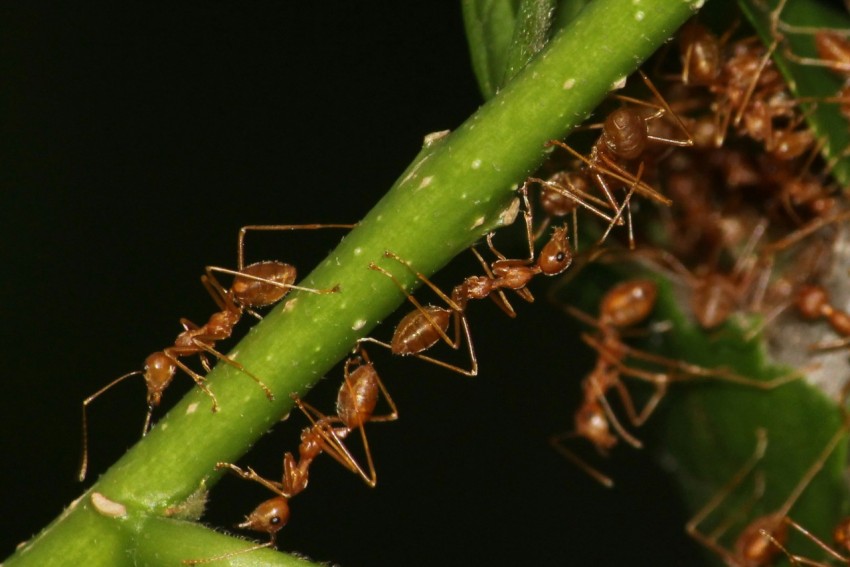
{"points": [[264, 283], [426, 325], [759, 543], [813, 303], [561, 194], [257, 285], [356, 402], [625, 138], [515, 274], [624, 306]]}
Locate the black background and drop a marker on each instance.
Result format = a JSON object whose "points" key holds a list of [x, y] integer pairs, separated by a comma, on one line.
{"points": [[136, 140]]}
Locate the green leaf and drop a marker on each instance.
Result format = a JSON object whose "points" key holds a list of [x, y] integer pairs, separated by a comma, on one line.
{"points": [[808, 80], [504, 35], [706, 428], [489, 30]]}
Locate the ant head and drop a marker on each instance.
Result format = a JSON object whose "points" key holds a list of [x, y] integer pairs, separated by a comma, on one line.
{"points": [[159, 371], [268, 517], [592, 424], [556, 256]]}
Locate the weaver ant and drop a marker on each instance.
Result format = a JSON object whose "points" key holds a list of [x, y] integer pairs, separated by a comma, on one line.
{"points": [[257, 285], [426, 325], [624, 306], [355, 406]]}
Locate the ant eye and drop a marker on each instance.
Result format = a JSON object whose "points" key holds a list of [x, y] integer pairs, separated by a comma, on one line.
{"points": [[275, 520], [560, 257]]}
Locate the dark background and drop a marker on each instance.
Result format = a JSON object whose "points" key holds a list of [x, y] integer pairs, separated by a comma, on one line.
{"points": [[136, 140]]}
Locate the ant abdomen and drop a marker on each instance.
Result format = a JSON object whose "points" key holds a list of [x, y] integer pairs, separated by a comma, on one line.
{"points": [[266, 284], [358, 396], [625, 133], [628, 303], [416, 332]]}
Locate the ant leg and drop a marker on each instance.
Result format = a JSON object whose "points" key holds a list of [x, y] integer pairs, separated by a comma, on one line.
{"points": [[84, 461], [200, 381], [577, 196], [239, 274], [500, 299], [240, 251], [250, 474], [612, 417], [332, 442], [692, 527], [460, 320], [557, 443], [692, 370], [237, 365]]}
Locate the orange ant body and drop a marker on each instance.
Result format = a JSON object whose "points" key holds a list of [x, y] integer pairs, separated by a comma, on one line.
{"points": [[625, 139], [812, 302], [427, 325], [356, 402], [624, 306], [515, 274], [627, 304], [257, 285]]}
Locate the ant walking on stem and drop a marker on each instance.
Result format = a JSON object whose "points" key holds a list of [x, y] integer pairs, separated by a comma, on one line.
{"points": [[257, 285], [427, 325], [356, 402]]}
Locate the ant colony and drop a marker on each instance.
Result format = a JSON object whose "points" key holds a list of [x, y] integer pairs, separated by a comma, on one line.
{"points": [[699, 184]]}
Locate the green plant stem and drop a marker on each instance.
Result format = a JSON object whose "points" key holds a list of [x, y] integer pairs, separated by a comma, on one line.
{"points": [[454, 192]]}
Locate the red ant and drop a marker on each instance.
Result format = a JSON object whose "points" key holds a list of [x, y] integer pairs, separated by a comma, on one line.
{"points": [[624, 306], [625, 138], [426, 325], [356, 402], [561, 194], [257, 285], [812, 302], [759, 543], [515, 274]]}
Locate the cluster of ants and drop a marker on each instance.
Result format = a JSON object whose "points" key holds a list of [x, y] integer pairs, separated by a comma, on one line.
{"points": [[731, 222]]}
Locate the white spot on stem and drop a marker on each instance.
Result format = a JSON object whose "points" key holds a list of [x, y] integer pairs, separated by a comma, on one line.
{"points": [[107, 507], [193, 407], [359, 324], [476, 164], [569, 83], [434, 137], [426, 181]]}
